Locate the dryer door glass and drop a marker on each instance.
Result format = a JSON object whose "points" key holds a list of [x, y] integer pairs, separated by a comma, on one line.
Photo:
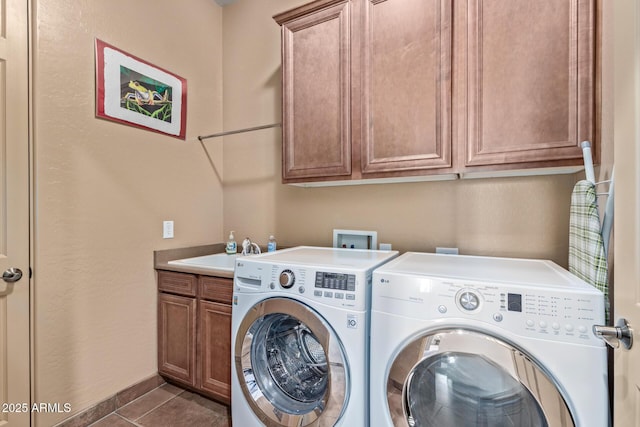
{"points": [[457, 377], [292, 369], [289, 363], [468, 390]]}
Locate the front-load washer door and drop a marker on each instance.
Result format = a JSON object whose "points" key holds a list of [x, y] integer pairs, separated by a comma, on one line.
{"points": [[291, 365], [458, 377]]}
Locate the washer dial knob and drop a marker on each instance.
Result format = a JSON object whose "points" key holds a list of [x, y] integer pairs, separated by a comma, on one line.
{"points": [[469, 301], [287, 279]]}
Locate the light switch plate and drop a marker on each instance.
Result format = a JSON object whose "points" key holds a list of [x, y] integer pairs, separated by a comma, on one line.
{"points": [[167, 229]]}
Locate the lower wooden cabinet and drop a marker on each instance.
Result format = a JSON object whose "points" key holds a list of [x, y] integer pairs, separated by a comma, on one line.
{"points": [[194, 332], [214, 353], [177, 337]]}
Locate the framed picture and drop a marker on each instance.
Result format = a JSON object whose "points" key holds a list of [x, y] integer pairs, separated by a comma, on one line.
{"points": [[132, 91]]}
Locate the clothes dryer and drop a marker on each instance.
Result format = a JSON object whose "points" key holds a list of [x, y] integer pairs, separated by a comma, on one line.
{"points": [[478, 341], [300, 325]]}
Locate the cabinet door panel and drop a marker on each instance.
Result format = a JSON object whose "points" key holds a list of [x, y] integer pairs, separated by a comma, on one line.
{"points": [[316, 94], [215, 349], [529, 80], [407, 85], [176, 337]]}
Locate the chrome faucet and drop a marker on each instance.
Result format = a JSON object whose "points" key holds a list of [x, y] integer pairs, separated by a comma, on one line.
{"points": [[248, 247]]}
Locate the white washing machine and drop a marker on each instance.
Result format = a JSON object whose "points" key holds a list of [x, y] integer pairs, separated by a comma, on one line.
{"points": [[300, 324], [477, 341]]}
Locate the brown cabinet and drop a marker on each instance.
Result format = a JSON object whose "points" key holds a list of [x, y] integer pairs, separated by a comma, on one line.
{"points": [[393, 88], [177, 337], [194, 332], [406, 85], [316, 87], [526, 74], [214, 353]]}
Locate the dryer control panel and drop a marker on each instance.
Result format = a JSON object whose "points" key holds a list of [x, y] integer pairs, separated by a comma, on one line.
{"points": [[562, 314]]}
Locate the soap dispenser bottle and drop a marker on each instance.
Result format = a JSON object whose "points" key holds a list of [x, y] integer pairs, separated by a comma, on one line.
{"points": [[231, 245], [271, 246]]}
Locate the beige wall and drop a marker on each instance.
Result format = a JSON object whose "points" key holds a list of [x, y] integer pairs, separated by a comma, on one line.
{"points": [[102, 190], [522, 217]]}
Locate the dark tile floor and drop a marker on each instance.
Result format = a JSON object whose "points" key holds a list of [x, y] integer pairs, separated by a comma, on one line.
{"points": [[169, 406]]}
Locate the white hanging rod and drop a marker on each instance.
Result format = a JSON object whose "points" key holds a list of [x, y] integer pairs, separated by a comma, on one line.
{"points": [[588, 161], [232, 132]]}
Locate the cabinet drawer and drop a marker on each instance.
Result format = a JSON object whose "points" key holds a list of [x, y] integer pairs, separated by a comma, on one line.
{"points": [[216, 289], [177, 283]]}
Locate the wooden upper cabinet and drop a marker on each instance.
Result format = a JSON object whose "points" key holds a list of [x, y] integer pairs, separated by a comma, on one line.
{"points": [[406, 96], [393, 88], [527, 70], [316, 90]]}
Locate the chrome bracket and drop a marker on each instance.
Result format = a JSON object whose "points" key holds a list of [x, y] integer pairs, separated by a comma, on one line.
{"points": [[614, 335]]}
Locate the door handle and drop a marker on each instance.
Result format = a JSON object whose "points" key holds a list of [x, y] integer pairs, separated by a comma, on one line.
{"points": [[12, 275], [614, 335]]}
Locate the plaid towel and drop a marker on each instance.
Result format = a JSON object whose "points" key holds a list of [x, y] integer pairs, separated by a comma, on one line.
{"points": [[586, 249]]}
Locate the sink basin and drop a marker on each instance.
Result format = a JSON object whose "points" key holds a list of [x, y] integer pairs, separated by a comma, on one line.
{"points": [[216, 261]]}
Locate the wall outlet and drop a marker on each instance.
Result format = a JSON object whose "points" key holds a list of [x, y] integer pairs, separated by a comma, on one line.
{"points": [[450, 251], [167, 229], [385, 246]]}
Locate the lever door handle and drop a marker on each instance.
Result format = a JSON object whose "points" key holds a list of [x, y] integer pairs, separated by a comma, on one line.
{"points": [[12, 275], [614, 335]]}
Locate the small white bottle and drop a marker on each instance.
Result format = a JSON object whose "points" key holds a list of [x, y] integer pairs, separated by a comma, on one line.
{"points": [[271, 246], [231, 248]]}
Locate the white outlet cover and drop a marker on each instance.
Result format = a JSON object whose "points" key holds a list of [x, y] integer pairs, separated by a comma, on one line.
{"points": [[448, 251]]}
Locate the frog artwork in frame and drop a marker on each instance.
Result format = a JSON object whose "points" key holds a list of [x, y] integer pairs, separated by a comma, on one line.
{"points": [[145, 95], [131, 91]]}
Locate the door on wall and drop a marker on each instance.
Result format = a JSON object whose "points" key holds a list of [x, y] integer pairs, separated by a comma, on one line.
{"points": [[626, 26], [14, 215], [290, 365]]}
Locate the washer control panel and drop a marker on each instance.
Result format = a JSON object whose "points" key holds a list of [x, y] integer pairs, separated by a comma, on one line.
{"points": [[340, 289], [318, 276], [565, 314], [338, 281]]}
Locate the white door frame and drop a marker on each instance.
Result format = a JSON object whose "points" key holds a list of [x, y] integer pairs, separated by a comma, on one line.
{"points": [[626, 110], [15, 194]]}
